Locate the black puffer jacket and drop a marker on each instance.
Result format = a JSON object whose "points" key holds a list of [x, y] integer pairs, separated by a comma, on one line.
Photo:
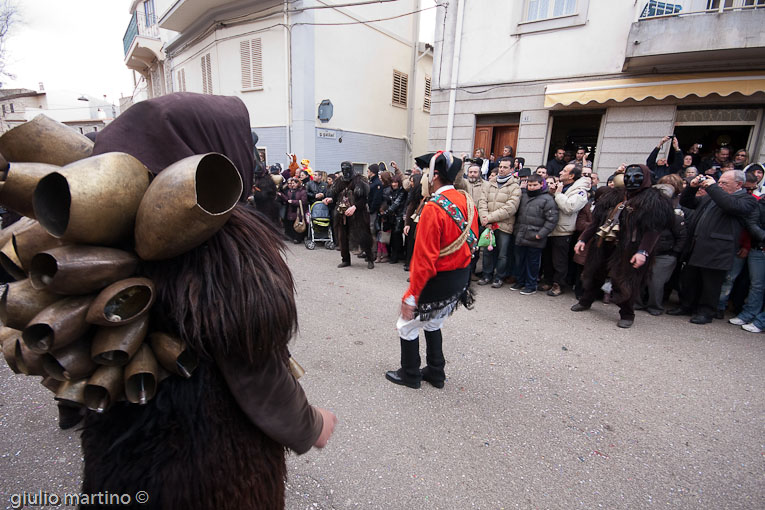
{"points": [[537, 216]]}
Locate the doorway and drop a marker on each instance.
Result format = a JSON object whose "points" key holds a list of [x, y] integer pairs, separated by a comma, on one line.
{"points": [[712, 138], [572, 130], [493, 138]]}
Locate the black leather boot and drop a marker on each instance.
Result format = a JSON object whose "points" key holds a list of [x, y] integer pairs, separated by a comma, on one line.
{"points": [[434, 372], [409, 373]]}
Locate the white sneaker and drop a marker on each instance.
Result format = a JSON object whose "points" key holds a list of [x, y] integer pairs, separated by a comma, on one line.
{"points": [[751, 328], [736, 321]]}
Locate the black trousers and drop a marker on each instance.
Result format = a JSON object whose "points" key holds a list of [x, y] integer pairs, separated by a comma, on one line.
{"points": [[555, 259], [396, 246], [700, 289], [410, 243]]}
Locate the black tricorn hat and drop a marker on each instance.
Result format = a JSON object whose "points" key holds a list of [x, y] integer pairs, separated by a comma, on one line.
{"points": [[444, 164]]}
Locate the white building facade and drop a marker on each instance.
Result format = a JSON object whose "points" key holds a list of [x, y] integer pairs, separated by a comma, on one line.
{"points": [[325, 82], [611, 76]]}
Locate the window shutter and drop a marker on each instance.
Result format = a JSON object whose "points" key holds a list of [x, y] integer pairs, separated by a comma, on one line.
{"points": [[206, 75], [426, 103], [400, 83], [251, 59], [182, 80]]}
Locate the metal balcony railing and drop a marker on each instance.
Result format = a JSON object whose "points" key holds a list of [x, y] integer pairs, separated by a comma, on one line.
{"points": [[140, 24], [660, 8]]}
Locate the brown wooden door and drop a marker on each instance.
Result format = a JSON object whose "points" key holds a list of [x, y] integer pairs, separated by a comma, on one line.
{"points": [[483, 136], [505, 135]]}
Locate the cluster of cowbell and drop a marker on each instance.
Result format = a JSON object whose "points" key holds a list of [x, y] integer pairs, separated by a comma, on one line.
{"points": [[77, 315]]}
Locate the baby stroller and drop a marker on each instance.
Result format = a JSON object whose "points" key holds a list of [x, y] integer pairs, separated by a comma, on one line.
{"points": [[318, 227]]}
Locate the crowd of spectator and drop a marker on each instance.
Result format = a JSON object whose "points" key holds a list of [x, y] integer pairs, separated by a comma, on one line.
{"points": [[711, 256]]}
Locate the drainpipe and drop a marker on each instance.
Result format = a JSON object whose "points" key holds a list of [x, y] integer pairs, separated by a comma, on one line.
{"points": [[413, 83], [455, 73], [288, 73]]}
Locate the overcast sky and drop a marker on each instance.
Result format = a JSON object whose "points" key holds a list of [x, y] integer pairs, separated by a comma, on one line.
{"points": [[70, 45], [77, 45]]}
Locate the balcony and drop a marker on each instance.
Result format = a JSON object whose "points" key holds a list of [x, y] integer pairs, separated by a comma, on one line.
{"points": [[697, 35], [141, 42], [185, 13]]}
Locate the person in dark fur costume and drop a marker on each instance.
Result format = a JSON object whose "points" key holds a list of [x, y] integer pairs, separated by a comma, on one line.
{"points": [[263, 197], [349, 194], [627, 225], [217, 439]]}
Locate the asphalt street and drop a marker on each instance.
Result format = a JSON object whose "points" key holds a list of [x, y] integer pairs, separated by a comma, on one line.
{"points": [[542, 408]]}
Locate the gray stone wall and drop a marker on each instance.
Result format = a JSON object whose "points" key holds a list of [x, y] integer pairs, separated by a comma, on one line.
{"points": [[630, 134], [358, 148]]}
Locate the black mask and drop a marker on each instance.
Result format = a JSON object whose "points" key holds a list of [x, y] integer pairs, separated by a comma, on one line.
{"points": [[633, 178], [347, 169]]}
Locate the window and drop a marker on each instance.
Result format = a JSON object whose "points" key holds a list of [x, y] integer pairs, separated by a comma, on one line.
{"points": [[400, 84], [251, 59], [181, 80], [544, 9], [3, 109], [95, 129], [12, 110], [148, 10], [426, 102], [207, 87]]}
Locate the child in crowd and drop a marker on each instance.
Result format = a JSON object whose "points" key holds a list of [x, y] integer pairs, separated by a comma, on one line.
{"points": [[383, 226], [536, 218]]}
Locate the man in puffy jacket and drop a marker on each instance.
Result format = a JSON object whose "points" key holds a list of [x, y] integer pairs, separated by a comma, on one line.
{"points": [[496, 209], [475, 186], [537, 217], [571, 195]]}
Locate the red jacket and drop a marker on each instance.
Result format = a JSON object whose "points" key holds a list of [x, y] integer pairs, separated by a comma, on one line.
{"points": [[435, 231]]}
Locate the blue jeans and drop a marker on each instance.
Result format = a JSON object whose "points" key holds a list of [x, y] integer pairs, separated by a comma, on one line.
{"points": [[527, 261], [496, 263], [730, 279], [753, 305]]}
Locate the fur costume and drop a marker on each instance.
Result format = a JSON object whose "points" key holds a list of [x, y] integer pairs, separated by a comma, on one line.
{"points": [[215, 440], [192, 446], [646, 213], [352, 230], [263, 197]]}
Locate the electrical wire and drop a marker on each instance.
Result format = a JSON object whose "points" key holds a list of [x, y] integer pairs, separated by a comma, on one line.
{"points": [[367, 21]]}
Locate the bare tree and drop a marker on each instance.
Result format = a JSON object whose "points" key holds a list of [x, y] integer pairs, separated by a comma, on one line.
{"points": [[8, 17]]}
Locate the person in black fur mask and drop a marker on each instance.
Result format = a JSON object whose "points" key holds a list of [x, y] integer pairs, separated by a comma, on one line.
{"points": [[216, 440], [627, 224], [349, 194], [263, 197]]}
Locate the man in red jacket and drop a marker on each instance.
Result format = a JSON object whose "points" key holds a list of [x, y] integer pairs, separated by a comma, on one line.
{"points": [[439, 273]]}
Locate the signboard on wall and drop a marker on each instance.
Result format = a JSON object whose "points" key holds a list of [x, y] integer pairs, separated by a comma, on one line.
{"points": [[329, 134]]}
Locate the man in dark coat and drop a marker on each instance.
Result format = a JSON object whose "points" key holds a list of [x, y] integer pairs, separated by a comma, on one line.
{"points": [[715, 227], [374, 199], [349, 194], [556, 164]]}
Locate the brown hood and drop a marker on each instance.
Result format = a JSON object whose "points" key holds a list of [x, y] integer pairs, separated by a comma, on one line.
{"points": [[160, 131]]}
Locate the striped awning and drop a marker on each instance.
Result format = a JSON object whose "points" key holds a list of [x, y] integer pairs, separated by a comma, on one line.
{"points": [[656, 86]]}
